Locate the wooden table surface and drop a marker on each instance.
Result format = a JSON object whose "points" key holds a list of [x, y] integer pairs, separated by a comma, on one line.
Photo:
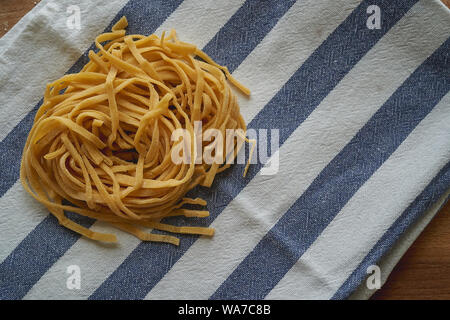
{"points": [[422, 273]]}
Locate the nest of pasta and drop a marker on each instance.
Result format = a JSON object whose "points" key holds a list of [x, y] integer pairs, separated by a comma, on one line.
{"points": [[102, 139]]}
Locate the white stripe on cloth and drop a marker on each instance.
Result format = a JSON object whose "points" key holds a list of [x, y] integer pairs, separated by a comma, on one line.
{"points": [[316, 141], [30, 71], [266, 70], [20, 214], [324, 267], [98, 262]]}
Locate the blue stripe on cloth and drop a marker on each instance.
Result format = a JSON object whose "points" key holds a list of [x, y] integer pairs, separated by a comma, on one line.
{"points": [[283, 245], [424, 201], [234, 42], [311, 83], [34, 256]]}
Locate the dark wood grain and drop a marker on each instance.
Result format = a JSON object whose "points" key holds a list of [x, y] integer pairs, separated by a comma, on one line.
{"points": [[12, 11], [424, 270], [422, 273]]}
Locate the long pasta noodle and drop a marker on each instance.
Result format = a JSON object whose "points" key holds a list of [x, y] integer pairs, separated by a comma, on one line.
{"points": [[101, 142]]}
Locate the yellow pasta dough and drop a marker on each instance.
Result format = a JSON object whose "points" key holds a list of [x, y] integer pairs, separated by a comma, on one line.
{"points": [[102, 139]]}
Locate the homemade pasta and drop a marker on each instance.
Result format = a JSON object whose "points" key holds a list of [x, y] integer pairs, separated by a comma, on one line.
{"points": [[101, 144]]}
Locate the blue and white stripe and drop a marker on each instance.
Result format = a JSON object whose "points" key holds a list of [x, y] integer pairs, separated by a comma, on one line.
{"points": [[364, 150]]}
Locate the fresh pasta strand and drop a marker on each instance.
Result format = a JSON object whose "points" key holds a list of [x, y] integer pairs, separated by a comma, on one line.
{"points": [[102, 139]]}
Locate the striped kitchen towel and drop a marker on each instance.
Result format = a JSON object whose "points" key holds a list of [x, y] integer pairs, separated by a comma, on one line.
{"points": [[354, 93]]}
